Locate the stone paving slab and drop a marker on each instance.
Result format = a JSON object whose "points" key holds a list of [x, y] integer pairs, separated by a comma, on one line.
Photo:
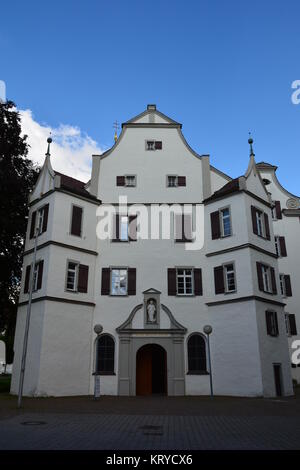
{"points": [[139, 432]]}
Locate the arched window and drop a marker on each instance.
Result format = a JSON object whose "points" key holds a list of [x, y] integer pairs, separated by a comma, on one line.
{"points": [[105, 355], [196, 354]]}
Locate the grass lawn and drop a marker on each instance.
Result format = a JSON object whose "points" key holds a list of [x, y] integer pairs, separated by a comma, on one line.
{"points": [[5, 383]]}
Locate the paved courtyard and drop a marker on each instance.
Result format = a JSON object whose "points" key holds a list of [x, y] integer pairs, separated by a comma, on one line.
{"points": [[187, 423]]}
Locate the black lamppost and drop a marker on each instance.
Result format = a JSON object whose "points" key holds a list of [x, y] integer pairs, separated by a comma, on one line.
{"points": [[98, 330], [208, 330]]}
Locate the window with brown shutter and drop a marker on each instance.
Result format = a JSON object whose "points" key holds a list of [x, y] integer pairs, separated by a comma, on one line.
{"points": [[33, 222], [132, 228], [120, 180], [260, 276], [282, 245], [288, 285], [278, 210], [40, 274], [45, 218], [76, 221], [254, 220], [171, 281], [83, 276], [183, 228], [272, 323], [215, 225], [273, 281], [105, 281], [292, 324], [131, 281], [158, 145], [181, 181], [27, 279], [198, 290], [116, 228], [219, 280], [267, 227]]}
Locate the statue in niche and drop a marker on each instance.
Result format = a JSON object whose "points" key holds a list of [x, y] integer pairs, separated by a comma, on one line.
{"points": [[151, 311]]}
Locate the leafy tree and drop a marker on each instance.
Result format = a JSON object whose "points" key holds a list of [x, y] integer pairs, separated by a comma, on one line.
{"points": [[17, 178]]}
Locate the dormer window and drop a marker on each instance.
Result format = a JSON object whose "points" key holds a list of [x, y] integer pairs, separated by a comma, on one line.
{"points": [[153, 145]]}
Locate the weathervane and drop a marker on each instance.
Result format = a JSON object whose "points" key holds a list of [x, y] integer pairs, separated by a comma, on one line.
{"points": [[250, 141], [116, 126], [49, 140]]}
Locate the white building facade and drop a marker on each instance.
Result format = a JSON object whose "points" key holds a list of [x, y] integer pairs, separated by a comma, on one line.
{"points": [[154, 296]]}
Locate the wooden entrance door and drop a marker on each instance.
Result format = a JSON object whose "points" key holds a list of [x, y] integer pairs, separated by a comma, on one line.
{"points": [[151, 370]]}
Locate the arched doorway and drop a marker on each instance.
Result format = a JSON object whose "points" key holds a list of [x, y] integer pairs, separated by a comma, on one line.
{"points": [[151, 370]]}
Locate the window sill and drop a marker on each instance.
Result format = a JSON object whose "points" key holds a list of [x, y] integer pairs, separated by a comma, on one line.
{"points": [[204, 372], [104, 373]]}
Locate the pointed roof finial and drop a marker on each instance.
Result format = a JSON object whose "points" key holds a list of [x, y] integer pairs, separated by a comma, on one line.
{"points": [[49, 140], [116, 127], [250, 142]]}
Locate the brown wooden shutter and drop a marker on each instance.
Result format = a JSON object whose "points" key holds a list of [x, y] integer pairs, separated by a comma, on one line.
{"points": [[273, 281], [293, 326], [267, 226], [132, 228], [278, 210], [198, 282], [260, 276], [32, 227], [269, 323], [131, 281], [116, 228], [27, 279], [120, 180], [105, 281], [76, 221], [40, 274], [215, 225], [158, 144], [45, 217], [172, 281], [288, 285], [83, 276], [276, 323], [282, 245], [181, 181], [178, 221], [219, 280], [254, 221], [187, 235]]}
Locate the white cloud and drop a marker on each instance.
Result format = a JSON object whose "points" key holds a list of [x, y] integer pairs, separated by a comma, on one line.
{"points": [[71, 150]]}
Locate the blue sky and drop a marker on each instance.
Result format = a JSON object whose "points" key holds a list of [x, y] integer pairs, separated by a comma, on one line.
{"points": [[221, 68]]}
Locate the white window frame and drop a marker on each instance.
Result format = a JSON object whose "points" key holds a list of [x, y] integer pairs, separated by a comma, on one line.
{"points": [[185, 276], [35, 276], [40, 219], [225, 273], [282, 285], [266, 275], [287, 324], [273, 211], [75, 277], [114, 268], [126, 237], [260, 223], [147, 142], [222, 221], [176, 181], [126, 181], [275, 331]]}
